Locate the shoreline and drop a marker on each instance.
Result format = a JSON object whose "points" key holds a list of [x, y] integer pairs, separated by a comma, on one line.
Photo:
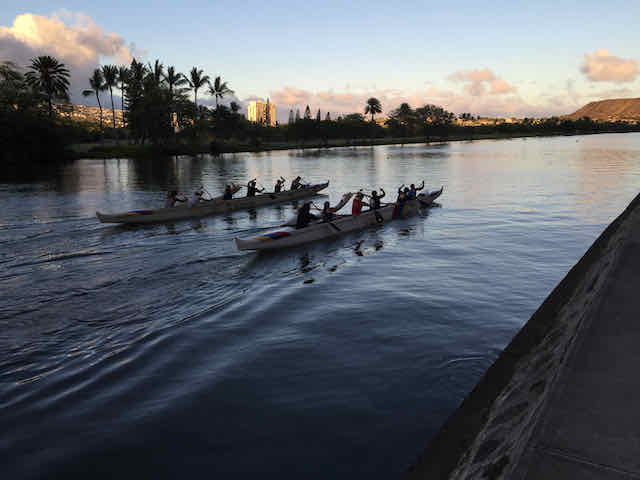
{"points": [[127, 150], [486, 436]]}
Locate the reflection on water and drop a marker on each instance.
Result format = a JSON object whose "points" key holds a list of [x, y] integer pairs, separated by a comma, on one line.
{"points": [[140, 347]]}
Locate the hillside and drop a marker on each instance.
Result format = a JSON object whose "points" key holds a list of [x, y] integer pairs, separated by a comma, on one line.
{"points": [[616, 109]]}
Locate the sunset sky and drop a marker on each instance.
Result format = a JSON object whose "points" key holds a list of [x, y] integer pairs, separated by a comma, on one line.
{"points": [[498, 58]]}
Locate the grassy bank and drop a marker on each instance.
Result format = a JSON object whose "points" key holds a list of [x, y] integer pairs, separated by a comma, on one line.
{"points": [[122, 149]]}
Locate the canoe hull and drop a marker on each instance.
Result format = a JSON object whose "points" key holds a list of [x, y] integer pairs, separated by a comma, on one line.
{"points": [[426, 199], [216, 206], [290, 237]]}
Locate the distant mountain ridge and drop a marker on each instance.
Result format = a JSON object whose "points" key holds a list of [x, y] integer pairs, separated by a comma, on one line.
{"points": [[610, 110]]}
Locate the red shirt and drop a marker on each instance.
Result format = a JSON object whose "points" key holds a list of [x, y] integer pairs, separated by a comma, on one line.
{"points": [[356, 206]]}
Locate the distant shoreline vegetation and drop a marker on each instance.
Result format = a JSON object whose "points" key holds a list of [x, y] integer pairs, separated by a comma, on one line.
{"points": [[157, 117]]}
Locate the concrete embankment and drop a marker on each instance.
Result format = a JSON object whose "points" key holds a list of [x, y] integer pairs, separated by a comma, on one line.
{"points": [[561, 400]]}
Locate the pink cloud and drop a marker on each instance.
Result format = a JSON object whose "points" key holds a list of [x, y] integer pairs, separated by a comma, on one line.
{"points": [[601, 66], [73, 38], [290, 96], [503, 103], [499, 86], [480, 81]]}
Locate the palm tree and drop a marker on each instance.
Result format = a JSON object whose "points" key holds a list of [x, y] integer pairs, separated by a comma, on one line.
{"points": [[123, 78], [156, 72], [174, 79], [219, 89], [97, 85], [50, 77], [404, 112], [110, 75], [9, 73], [373, 107], [197, 81]]}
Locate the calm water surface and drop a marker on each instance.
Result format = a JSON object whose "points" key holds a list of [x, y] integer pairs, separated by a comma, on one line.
{"points": [[161, 350]]}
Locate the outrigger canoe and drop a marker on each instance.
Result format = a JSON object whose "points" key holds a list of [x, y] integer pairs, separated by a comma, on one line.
{"points": [[211, 207], [290, 236]]}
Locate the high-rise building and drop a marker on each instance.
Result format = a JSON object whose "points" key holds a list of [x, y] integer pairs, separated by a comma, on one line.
{"points": [[262, 112]]}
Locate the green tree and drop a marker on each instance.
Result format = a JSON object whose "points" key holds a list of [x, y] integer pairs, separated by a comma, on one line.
{"points": [[373, 106], [123, 79], [196, 81], [235, 108], [297, 115], [219, 89], [110, 75], [15, 97], [9, 74], [96, 81], [156, 73], [307, 113], [49, 77], [174, 81]]}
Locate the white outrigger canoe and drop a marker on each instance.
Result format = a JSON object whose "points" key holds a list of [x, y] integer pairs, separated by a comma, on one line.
{"points": [[289, 236], [210, 207]]}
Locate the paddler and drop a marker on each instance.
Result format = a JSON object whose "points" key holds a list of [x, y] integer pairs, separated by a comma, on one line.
{"points": [[305, 216], [375, 199], [252, 189], [196, 199], [295, 184], [279, 185], [228, 193], [403, 194], [172, 198], [357, 204], [413, 191]]}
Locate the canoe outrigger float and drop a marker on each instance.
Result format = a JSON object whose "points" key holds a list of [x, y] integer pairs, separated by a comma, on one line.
{"points": [[211, 207], [288, 236]]}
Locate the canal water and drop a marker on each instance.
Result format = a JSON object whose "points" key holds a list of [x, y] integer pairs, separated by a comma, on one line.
{"points": [[160, 351]]}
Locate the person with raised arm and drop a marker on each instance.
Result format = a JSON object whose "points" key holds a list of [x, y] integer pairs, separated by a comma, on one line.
{"points": [[374, 203], [296, 183], [413, 191], [279, 185], [172, 198], [252, 189]]}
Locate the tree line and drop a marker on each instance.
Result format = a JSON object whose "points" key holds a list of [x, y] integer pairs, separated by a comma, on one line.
{"points": [[157, 109]]}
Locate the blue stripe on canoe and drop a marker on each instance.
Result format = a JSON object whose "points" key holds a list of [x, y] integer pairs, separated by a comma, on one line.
{"points": [[140, 212], [273, 235]]}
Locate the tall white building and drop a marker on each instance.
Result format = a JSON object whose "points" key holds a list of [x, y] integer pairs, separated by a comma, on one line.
{"points": [[262, 112]]}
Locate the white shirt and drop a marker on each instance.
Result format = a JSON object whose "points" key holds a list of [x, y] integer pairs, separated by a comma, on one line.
{"points": [[193, 201]]}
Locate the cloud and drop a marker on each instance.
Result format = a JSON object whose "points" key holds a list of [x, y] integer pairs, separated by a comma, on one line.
{"points": [[601, 66], [478, 82], [503, 102], [290, 96], [73, 38]]}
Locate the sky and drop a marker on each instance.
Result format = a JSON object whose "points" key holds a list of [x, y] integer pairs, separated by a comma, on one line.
{"points": [[498, 58]]}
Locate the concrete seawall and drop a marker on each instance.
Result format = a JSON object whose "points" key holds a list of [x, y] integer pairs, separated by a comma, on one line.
{"points": [[552, 398]]}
